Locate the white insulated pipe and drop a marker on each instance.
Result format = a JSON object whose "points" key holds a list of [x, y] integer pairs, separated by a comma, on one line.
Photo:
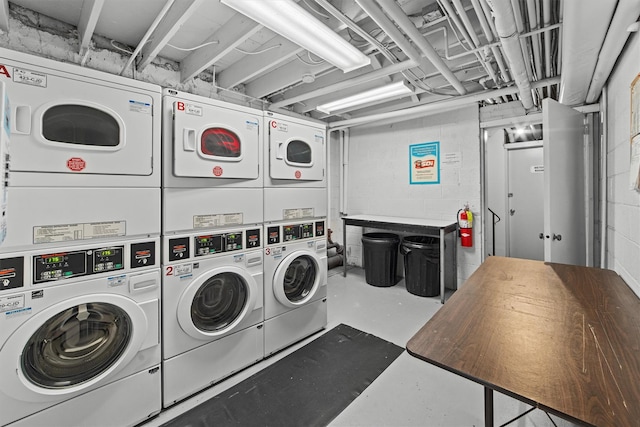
{"points": [[435, 107], [626, 13], [488, 33], [405, 24], [508, 32]]}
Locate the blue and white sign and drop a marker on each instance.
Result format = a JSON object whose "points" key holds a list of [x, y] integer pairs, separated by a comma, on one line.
{"points": [[424, 163]]}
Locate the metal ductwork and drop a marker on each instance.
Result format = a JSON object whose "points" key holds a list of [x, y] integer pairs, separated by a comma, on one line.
{"points": [[510, 39]]}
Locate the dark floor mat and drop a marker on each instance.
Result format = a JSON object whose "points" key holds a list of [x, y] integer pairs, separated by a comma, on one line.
{"points": [[308, 387]]}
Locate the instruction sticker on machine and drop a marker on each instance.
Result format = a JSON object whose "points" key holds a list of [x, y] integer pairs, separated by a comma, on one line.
{"points": [[29, 77], [218, 220], [297, 213], [140, 106], [424, 163], [86, 231]]}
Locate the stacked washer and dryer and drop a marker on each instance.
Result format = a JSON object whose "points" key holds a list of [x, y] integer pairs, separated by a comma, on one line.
{"points": [[79, 267], [295, 214], [212, 242]]}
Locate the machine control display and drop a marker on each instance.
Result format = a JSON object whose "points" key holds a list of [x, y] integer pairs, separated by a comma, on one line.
{"points": [[291, 232], [108, 259], [297, 231], [234, 241], [179, 249], [143, 254], [216, 243], [319, 228], [306, 230], [64, 265], [273, 235], [253, 238], [207, 245], [11, 273]]}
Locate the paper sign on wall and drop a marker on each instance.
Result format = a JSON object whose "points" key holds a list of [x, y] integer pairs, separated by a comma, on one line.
{"points": [[424, 163]]}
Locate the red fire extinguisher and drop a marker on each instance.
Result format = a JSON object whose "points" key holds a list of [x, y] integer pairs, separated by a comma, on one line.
{"points": [[465, 226]]}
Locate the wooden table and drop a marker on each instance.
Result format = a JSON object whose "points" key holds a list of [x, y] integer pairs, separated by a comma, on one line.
{"points": [[565, 339], [425, 227]]}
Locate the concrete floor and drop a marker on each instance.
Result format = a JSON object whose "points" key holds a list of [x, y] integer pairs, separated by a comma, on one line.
{"points": [[409, 392]]}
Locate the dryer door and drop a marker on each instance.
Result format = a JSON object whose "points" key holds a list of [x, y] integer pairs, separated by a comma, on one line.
{"points": [[216, 302], [69, 347], [214, 142], [296, 151], [67, 125], [297, 278]]}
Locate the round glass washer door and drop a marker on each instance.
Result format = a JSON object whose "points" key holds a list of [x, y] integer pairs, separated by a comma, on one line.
{"points": [[297, 278], [72, 346], [216, 302]]}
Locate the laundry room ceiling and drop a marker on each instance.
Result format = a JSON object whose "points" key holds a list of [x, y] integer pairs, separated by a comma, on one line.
{"points": [[489, 51]]}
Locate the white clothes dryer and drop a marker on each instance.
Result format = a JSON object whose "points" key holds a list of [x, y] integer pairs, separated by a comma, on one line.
{"points": [[210, 143], [76, 127], [212, 314], [80, 335], [295, 186], [297, 151], [295, 271]]}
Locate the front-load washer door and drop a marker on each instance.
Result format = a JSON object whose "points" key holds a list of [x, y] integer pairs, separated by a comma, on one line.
{"points": [[296, 152], [216, 302], [297, 278], [71, 346], [63, 125], [214, 142]]}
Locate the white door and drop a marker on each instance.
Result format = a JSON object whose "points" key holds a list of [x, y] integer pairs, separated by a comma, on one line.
{"points": [[216, 302], [215, 142], [564, 207], [525, 201], [66, 125], [297, 278], [296, 151]]}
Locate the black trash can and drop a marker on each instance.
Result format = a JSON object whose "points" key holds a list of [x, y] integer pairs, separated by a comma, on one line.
{"points": [[380, 254], [421, 265]]}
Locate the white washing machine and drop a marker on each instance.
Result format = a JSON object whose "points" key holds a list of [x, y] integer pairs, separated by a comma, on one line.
{"points": [[212, 314], [295, 274], [295, 185], [85, 158], [80, 335]]}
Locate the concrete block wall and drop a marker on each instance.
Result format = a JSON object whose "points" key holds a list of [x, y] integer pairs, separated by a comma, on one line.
{"points": [[378, 176], [623, 207]]}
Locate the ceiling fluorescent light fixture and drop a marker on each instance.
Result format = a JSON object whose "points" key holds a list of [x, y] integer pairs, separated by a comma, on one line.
{"points": [[287, 18], [384, 92]]}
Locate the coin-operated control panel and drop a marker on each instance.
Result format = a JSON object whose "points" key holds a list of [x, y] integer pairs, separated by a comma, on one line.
{"points": [[59, 265], [289, 233], [211, 244]]}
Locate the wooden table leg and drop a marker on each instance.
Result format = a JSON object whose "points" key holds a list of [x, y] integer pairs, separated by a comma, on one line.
{"points": [[488, 407]]}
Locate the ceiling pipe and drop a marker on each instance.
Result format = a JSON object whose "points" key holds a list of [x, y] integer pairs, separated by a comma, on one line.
{"points": [[582, 41], [488, 33], [435, 107], [507, 30], [626, 13], [405, 24], [466, 28], [524, 44]]}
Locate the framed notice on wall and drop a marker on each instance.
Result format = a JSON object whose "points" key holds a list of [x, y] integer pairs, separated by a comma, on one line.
{"points": [[424, 163], [634, 169]]}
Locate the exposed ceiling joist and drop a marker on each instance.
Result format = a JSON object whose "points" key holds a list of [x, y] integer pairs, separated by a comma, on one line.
{"points": [[231, 35], [88, 19], [4, 15], [277, 52], [177, 15]]}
